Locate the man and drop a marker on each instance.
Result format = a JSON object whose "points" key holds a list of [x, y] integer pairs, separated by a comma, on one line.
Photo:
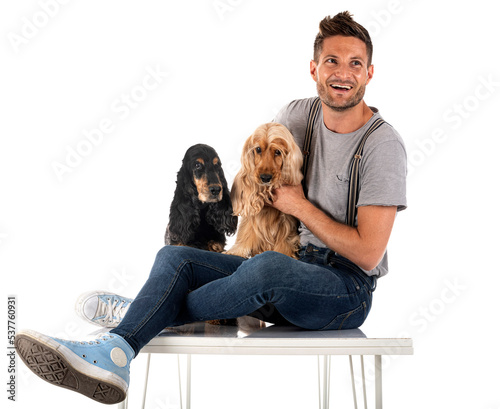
{"points": [[329, 287], [342, 68]]}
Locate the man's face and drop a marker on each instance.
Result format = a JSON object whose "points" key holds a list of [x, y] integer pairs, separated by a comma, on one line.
{"points": [[342, 72]]}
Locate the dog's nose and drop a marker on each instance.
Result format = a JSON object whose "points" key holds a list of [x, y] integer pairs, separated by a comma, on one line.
{"points": [[215, 190], [266, 178]]}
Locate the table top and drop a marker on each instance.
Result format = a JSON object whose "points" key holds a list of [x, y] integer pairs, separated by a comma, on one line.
{"points": [[251, 336]]}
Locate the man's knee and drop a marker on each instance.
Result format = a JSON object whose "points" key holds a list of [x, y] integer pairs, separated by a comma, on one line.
{"points": [[175, 254], [171, 249], [271, 258]]}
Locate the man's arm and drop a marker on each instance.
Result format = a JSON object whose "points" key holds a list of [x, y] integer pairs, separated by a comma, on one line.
{"points": [[364, 245]]}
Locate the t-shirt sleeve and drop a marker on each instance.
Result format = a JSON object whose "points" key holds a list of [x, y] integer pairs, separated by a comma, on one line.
{"points": [[294, 117], [383, 175]]}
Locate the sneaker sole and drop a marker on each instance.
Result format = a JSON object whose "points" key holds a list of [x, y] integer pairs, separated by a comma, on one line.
{"points": [[60, 366]]}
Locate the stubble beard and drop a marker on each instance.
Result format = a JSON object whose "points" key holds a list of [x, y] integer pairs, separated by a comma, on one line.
{"points": [[344, 106]]}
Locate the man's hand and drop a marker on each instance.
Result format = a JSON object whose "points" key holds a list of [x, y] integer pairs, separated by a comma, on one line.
{"points": [[364, 245], [289, 199]]}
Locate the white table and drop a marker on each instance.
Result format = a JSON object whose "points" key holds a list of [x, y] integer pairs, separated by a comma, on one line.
{"points": [[250, 337]]}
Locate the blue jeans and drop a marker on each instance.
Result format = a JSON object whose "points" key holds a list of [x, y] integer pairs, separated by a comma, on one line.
{"points": [[320, 291]]}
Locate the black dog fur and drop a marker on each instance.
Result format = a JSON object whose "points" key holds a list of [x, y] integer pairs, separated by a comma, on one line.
{"points": [[201, 214]]}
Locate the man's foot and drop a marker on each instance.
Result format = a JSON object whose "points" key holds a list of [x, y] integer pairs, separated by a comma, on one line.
{"points": [[98, 369], [101, 308]]}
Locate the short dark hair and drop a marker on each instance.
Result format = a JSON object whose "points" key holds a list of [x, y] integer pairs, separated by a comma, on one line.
{"points": [[342, 24]]}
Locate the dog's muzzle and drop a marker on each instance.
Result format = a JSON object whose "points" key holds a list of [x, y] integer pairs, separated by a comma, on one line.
{"points": [[215, 190], [265, 177]]}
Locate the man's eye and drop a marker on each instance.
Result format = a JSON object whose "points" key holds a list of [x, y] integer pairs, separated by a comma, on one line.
{"points": [[258, 150]]}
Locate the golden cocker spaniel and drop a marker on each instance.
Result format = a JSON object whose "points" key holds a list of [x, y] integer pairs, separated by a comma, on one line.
{"points": [[270, 159]]}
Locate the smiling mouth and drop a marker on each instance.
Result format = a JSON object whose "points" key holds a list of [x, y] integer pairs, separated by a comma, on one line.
{"points": [[341, 87]]}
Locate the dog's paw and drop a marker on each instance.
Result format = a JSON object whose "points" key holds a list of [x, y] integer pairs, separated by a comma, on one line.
{"points": [[215, 247], [238, 251], [227, 321]]}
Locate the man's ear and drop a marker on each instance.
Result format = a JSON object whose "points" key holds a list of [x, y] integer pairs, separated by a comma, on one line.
{"points": [[313, 70], [370, 74]]}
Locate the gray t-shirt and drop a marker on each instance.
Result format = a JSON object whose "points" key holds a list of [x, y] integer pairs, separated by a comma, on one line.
{"points": [[382, 171]]}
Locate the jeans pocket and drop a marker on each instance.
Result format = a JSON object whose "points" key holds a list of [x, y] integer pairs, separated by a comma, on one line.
{"points": [[349, 320]]}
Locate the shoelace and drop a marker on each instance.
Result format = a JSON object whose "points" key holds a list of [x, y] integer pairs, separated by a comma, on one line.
{"points": [[114, 310], [97, 340]]}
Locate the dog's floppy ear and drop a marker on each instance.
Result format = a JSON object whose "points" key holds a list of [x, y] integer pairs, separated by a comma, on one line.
{"points": [[246, 196], [237, 195], [220, 215], [291, 173], [183, 221], [184, 216]]}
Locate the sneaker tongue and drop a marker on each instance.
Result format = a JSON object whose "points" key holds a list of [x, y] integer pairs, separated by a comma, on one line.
{"points": [[101, 309]]}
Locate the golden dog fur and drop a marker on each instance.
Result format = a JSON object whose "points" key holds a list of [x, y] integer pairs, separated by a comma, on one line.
{"points": [[270, 159]]}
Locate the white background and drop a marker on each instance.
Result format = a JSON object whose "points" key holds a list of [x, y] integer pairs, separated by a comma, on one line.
{"points": [[232, 64]]}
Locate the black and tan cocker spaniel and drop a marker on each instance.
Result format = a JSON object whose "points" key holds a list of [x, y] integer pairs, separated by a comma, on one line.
{"points": [[201, 214]]}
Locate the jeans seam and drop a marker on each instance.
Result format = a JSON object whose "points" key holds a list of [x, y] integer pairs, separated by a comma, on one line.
{"points": [[165, 295], [349, 313], [209, 266]]}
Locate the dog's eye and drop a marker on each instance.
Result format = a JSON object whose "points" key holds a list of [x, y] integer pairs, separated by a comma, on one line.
{"points": [[198, 166], [258, 150], [277, 152]]}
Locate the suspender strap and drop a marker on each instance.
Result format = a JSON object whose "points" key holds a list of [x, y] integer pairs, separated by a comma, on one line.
{"points": [[354, 174], [354, 170], [306, 150]]}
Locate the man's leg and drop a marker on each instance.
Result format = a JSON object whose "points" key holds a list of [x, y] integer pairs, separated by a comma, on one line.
{"points": [[99, 368], [310, 295], [176, 271]]}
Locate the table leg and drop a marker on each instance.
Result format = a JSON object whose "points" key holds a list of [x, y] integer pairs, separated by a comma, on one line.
{"points": [[188, 386], [324, 379], [353, 383], [378, 381], [146, 382], [364, 381]]}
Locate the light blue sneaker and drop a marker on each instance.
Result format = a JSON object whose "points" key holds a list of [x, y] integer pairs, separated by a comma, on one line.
{"points": [[98, 369], [102, 308]]}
